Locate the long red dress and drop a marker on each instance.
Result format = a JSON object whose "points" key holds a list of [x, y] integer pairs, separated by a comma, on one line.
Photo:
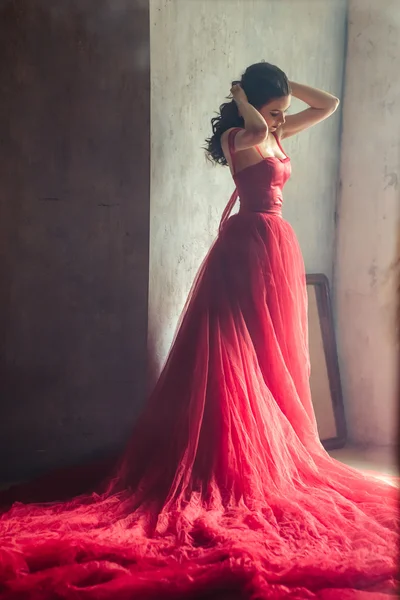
{"points": [[224, 490]]}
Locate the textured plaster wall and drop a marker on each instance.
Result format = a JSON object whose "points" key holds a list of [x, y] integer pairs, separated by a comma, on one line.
{"points": [[368, 252]]}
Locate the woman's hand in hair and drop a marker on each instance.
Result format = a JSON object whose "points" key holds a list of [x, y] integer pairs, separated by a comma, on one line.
{"points": [[238, 94]]}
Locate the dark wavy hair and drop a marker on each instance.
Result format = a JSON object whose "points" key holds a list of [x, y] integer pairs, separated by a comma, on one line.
{"points": [[262, 83]]}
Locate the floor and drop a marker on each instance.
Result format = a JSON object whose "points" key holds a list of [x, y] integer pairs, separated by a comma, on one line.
{"points": [[384, 460]]}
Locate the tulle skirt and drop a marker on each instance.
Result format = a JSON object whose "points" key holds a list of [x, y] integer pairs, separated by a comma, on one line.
{"points": [[224, 490]]}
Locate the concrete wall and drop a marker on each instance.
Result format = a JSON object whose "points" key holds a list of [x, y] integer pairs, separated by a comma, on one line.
{"points": [[367, 259], [197, 48], [74, 213]]}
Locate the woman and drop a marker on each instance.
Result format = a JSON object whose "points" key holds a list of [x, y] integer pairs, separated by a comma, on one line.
{"points": [[225, 490]]}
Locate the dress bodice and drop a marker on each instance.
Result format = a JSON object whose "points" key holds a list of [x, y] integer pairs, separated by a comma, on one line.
{"points": [[259, 187]]}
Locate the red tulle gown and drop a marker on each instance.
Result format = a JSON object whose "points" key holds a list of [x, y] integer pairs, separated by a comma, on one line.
{"points": [[224, 491]]}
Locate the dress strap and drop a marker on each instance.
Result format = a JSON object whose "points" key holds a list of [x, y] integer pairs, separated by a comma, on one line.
{"points": [[279, 143], [231, 145], [259, 151], [232, 201]]}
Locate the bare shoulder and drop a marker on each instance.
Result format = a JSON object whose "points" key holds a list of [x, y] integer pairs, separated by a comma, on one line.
{"points": [[244, 139], [225, 135]]}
